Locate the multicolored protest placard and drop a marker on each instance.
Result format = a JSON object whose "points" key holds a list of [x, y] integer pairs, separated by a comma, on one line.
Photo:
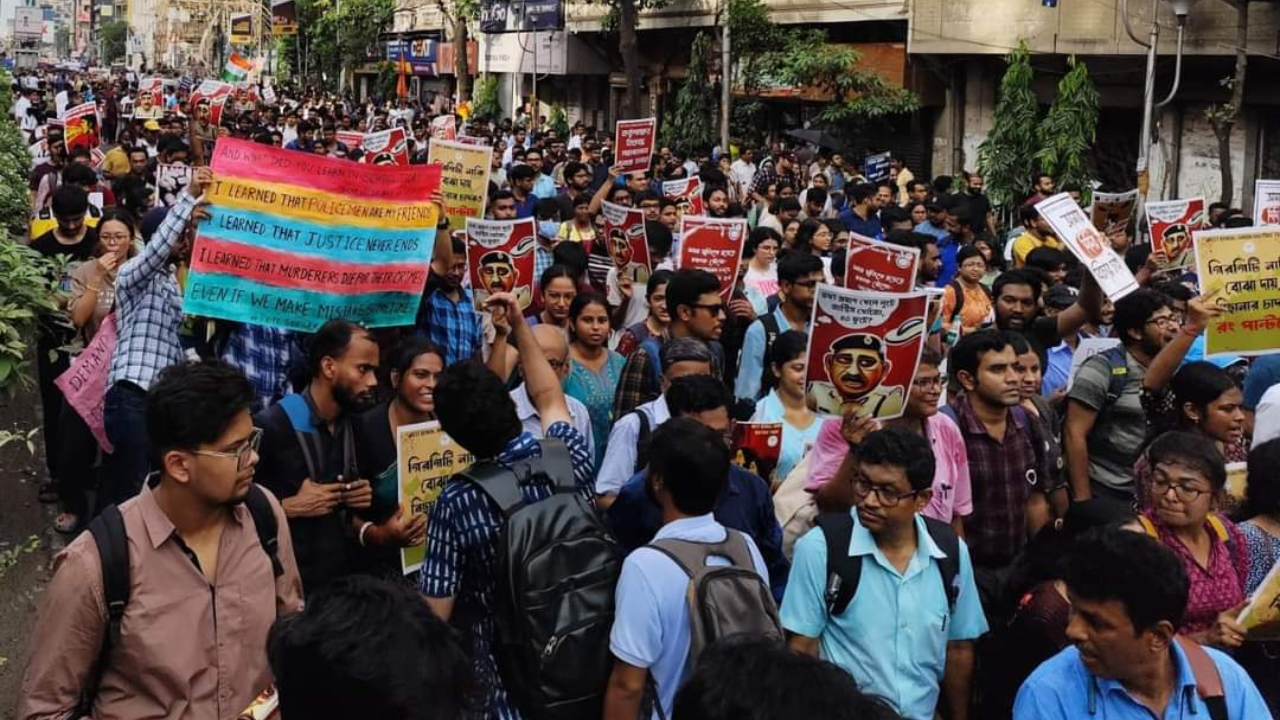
{"points": [[1072, 226], [171, 180], [464, 179], [84, 384], [863, 350], [1113, 212], [880, 266], [714, 245], [148, 104], [80, 127], [426, 458], [1266, 202], [1261, 617], [444, 127], [296, 239], [633, 145], [627, 243], [500, 258], [687, 193], [386, 147], [208, 100], [1172, 222], [1242, 267]]}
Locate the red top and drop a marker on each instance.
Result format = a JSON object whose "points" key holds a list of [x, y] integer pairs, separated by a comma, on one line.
{"points": [[1219, 585]]}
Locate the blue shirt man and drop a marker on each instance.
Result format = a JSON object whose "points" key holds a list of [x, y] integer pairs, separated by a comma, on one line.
{"points": [[947, 247], [798, 275]]}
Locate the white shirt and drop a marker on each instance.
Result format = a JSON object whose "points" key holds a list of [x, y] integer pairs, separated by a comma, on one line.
{"points": [[619, 462], [20, 108], [744, 173], [533, 423], [1266, 418]]}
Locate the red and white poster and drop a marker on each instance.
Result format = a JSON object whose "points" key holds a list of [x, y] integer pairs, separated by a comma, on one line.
{"points": [[444, 127], [388, 147], [1266, 202], [471, 140], [80, 127], [757, 447], [633, 145], [1113, 212], [1172, 222], [148, 104], [687, 193], [880, 266], [714, 245], [1076, 231], [627, 243], [863, 350], [208, 100], [500, 258], [246, 95], [350, 138]]}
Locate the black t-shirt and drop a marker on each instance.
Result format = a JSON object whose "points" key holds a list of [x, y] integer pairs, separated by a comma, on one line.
{"points": [[977, 207], [376, 456], [48, 245]]}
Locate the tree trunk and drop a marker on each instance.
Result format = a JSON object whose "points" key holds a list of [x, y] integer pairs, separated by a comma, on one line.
{"points": [[628, 16], [1222, 127], [461, 66]]}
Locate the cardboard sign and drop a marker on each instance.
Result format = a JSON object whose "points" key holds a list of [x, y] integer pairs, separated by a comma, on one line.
{"points": [[714, 245], [876, 167], [1261, 617], [295, 239], [1114, 211], [863, 350], [1087, 348], [626, 241], [500, 258], [171, 180], [84, 384], [148, 103], [1172, 224], [1243, 267], [444, 127], [426, 458], [757, 447], [880, 266], [1266, 202], [1073, 228], [687, 193], [464, 179], [387, 147], [208, 100], [81, 127], [633, 145]]}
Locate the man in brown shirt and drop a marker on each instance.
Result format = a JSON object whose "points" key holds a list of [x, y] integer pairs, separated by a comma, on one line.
{"points": [[203, 593]]}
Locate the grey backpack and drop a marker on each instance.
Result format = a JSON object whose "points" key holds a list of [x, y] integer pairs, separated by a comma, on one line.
{"points": [[723, 600]]}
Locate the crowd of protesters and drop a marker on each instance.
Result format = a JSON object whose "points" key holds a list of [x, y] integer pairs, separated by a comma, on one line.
{"points": [[1020, 543]]}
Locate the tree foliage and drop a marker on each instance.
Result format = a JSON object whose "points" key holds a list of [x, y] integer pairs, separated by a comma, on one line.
{"points": [[112, 35], [484, 102], [1006, 159], [689, 126], [333, 38], [1069, 131]]}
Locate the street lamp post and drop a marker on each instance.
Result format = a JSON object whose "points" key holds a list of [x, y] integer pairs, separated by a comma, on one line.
{"points": [[1181, 9]]}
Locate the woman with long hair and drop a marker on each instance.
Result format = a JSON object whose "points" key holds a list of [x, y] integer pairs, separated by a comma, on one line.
{"points": [[656, 323], [761, 253], [594, 369], [785, 402]]}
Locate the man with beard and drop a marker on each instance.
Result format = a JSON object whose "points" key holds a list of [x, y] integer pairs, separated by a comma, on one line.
{"points": [[798, 276], [308, 450], [1017, 306], [577, 180], [977, 206]]}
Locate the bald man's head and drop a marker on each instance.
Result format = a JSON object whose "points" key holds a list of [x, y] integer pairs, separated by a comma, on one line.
{"points": [[555, 346]]}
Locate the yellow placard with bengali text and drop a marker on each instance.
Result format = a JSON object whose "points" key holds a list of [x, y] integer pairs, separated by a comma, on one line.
{"points": [[464, 179], [1242, 267], [1261, 618], [426, 458]]}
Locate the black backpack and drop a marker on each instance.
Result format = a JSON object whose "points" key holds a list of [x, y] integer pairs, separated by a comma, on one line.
{"points": [[558, 566], [844, 571], [109, 534]]}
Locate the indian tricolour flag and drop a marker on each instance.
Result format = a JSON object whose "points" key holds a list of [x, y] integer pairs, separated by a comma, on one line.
{"points": [[237, 68]]}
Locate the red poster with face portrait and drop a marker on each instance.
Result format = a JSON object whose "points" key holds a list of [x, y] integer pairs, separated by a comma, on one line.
{"points": [[863, 350], [208, 100], [500, 259], [444, 127], [246, 95], [1172, 224], [714, 245], [148, 104], [80, 127], [388, 147], [880, 266], [626, 242], [687, 193]]}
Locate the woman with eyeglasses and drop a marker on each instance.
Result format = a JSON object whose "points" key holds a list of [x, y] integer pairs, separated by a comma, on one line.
{"points": [[966, 302], [653, 325], [594, 369], [761, 249], [1188, 477], [785, 401]]}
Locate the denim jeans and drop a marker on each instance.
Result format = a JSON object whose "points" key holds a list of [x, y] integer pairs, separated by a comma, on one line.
{"points": [[125, 415]]}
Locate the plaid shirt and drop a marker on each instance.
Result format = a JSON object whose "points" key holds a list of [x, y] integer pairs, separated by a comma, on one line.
{"points": [[462, 554], [264, 355], [1002, 473], [638, 384], [454, 326], [768, 175], [149, 305]]}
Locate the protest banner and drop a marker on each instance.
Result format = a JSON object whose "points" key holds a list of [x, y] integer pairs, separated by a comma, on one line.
{"points": [[444, 127], [171, 180], [208, 100], [471, 140], [687, 192], [426, 458], [1242, 267], [633, 145], [386, 147], [84, 384], [1085, 349], [1113, 212], [39, 151], [1073, 228], [464, 179], [757, 447], [1266, 202], [284, 17], [627, 243], [1171, 224], [863, 350], [1261, 617], [148, 104], [296, 239], [269, 95], [60, 102], [96, 157], [714, 245], [351, 138], [80, 127], [880, 266], [241, 32], [876, 167], [246, 96], [500, 258]]}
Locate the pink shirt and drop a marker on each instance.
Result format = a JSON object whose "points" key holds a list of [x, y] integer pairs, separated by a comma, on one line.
{"points": [[1214, 588], [952, 492]]}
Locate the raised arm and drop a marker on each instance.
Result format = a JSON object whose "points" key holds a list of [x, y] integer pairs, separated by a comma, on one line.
{"points": [[541, 382], [155, 256], [1200, 312]]}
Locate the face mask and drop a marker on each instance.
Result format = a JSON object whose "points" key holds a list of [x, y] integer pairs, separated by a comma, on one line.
{"points": [[548, 228]]}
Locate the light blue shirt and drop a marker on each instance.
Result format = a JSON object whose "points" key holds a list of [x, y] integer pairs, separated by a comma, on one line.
{"points": [[794, 440], [619, 462], [651, 620], [544, 186], [1061, 688], [893, 637], [1057, 371], [751, 362]]}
